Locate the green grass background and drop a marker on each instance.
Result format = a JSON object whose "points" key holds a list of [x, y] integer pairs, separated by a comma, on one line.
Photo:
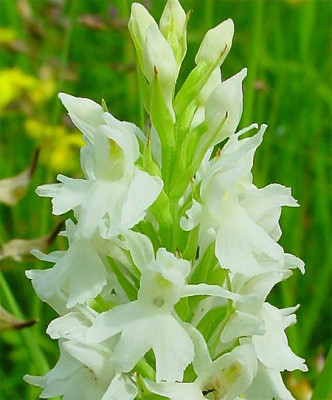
{"points": [[286, 46]]}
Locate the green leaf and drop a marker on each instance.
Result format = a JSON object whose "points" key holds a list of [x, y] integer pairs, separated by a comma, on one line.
{"points": [[323, 389]]}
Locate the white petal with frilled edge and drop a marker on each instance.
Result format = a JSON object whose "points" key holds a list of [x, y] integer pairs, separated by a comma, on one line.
{"points": [[264, 206], [66, 196], [193, 217], [272, 348], [85, 114], [142, 192]]}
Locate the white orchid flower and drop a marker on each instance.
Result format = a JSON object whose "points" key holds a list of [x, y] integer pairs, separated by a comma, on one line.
{"points": [[149, 321], [79, 274], [110, 198], [83, 371], [245, 239]]}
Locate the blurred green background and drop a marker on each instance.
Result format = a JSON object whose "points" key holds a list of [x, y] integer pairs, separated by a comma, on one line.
{"points": [[83, 48]]}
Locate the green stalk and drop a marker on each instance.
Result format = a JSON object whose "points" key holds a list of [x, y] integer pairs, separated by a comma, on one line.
{"points": [[30, 341]]}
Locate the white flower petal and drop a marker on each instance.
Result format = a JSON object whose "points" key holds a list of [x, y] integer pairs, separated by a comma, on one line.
{"points": [[217, 41], [143, 191], [202, 359], [239, 239], [225, 101], [176, 391], [114, 321], [140, 247], [214, 290], [121, 388], [272, 348], [292, 261], [85, 113], [267, 385], [193, 217], [241, 324]]}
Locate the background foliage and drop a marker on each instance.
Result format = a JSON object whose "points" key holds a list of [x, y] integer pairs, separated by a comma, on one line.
{"points": [[83, 48]]}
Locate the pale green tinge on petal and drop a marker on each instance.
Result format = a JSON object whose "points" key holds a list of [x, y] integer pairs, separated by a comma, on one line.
{"points": [[216, 44], [140, 20], [159, 64], [140, 248], [231, 374], [173, 24]]}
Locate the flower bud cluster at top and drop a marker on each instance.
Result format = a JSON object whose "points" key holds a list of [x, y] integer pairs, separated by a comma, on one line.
{"points": [[172, 250]]}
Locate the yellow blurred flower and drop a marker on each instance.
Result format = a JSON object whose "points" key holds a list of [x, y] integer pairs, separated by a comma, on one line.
{"points": [[59, 147], [17, 85], [7, 35]]}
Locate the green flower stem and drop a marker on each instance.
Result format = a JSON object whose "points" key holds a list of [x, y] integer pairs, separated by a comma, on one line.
{"points": [[30, 341], [145, 369]]}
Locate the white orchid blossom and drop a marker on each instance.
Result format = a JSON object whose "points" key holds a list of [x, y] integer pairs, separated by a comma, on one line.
{"points": [[149, 323], [173, 250], [110, 198], [83, 371], [245, 234]]}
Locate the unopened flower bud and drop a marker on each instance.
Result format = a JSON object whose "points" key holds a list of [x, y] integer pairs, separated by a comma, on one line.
{"points": [[216, 44]]}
